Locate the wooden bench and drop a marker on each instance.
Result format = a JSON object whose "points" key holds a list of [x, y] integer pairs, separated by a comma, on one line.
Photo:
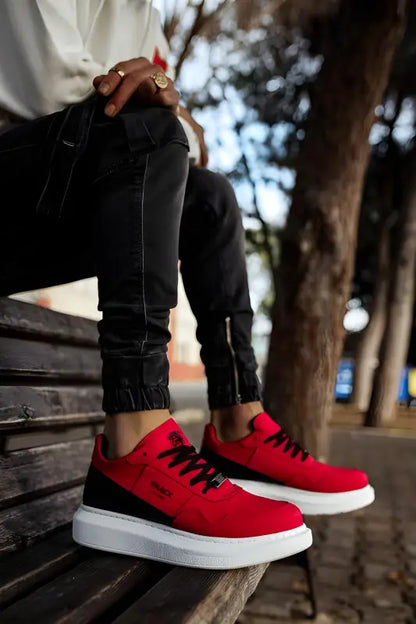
{"points": [[50, 410]]}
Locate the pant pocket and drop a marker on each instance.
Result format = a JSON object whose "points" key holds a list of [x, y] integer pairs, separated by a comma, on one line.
{"points": [[150, 128]]}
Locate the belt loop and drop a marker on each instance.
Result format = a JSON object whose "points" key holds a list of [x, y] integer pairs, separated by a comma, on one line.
{"points": [[66, 142]]}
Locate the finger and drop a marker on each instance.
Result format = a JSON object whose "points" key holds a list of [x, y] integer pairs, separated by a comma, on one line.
{"points": [[112, 80], [109, 83], [124, 92], [128, 86], [97, 81], [148, 92]]}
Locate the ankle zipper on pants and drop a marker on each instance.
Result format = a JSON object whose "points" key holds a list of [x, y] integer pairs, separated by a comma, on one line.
{"points": [[228, 334]]}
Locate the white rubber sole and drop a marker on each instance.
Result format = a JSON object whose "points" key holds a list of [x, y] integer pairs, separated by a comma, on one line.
{"points": [[128, 535], [311, 503]]}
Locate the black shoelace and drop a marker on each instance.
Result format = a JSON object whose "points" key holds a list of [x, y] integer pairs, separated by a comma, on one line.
{"points": [[187, 455], [282, 437]]}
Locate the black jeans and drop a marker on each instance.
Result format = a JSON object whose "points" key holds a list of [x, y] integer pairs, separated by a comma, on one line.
{"points": [[87, 195]]}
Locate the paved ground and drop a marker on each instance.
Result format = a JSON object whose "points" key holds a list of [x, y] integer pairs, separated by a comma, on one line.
{"points": [[363, 564]]}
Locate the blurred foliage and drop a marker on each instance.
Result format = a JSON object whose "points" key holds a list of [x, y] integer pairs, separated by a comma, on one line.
{"points": [[264, 56], [393, 146], [264, 76]]}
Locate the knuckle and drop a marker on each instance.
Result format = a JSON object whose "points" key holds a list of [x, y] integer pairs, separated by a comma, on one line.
{"points": [[133, 62], [131, 80], [142, 77], [139, 63]]}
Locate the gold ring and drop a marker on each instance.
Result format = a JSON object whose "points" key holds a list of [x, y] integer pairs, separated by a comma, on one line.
{"points": [[160, 80], [118, 71]]}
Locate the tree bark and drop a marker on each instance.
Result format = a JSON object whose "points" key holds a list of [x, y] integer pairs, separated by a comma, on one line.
{"points": [[320, 238], [395, 343], [366, 359]]}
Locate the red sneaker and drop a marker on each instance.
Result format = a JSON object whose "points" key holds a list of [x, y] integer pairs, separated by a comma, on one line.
{"points": [[268, 463], [164, 502]]}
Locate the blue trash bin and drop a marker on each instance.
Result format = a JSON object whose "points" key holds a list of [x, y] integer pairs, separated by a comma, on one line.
{"points": [[403, 394], [345, 380]]}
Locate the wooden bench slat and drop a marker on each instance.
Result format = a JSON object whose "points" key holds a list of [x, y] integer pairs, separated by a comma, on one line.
{"points": [[189, 596], [24, 524], [42, 470], [27, 569], [84, 593], [22, 441], [50, 379], [26, 406], [34, 321], [24, 359]]}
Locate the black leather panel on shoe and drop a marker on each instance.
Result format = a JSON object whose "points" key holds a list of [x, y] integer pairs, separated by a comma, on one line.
{"points": [[103, 493], [233, 470]]}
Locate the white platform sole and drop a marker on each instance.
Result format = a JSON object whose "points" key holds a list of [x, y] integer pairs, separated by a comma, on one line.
{"points": [[128, 535], [311, 503]]}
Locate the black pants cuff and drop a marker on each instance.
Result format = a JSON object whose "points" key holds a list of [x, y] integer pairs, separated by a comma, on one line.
{"points": [[116, 400], [224, 390], [133, 383]]}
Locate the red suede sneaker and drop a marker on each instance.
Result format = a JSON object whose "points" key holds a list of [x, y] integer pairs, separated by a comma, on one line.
{"points": [[164, 502], [268, 463]]}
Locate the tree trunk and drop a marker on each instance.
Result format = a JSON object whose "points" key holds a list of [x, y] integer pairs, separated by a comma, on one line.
{"points": [[319, 242], [395, 343], [368, 349]]}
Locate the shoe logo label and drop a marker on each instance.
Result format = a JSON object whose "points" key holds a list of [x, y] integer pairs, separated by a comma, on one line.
{"points": [[161, 491], [218, 480], [175, 438]]}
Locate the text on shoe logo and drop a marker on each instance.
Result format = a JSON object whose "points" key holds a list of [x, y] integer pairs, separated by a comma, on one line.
{"points": [[162, 490], [175, 438]]}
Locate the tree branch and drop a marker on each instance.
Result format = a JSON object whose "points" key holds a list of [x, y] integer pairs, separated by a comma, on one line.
{"points": [[200, 22]]}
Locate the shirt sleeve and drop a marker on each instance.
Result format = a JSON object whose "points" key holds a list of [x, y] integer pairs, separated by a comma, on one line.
{"points": [[52, 67]]}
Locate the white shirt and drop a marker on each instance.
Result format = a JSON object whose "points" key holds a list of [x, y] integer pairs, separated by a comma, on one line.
{"points": [[50, 50]]}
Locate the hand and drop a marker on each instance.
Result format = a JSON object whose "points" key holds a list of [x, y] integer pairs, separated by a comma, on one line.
{"points": [[199, 131], [137, 83]]}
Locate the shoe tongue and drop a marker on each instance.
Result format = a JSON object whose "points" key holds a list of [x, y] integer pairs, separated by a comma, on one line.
{"points": [[265, 424], [166, 435], [169, 435]]}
